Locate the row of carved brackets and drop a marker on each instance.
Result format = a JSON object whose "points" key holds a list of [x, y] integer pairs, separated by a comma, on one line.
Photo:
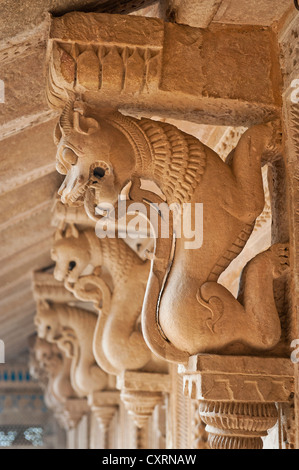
{"points": [[140, 391]]}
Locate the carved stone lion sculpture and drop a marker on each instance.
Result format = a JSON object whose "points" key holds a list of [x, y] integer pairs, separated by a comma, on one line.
{"points": [[117, 287], [72, 329], [185, 311]]}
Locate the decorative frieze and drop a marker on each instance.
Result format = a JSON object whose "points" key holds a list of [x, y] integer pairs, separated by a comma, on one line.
{"points": [[71, 413]]}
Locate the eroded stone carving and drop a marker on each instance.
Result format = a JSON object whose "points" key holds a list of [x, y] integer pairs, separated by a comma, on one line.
{"points": [[185, 310]]}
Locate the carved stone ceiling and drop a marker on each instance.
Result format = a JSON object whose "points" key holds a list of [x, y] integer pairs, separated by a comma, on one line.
{"points": [[28, 180]]}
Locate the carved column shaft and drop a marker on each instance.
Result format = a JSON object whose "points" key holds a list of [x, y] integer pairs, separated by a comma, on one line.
{"points": [[237, 425]]}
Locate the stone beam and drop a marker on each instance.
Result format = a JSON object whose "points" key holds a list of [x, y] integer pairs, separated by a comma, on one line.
{"points": [[224, 75], [25, 234], [18, 318], [24, 91], [26, 20], [11, 302]]}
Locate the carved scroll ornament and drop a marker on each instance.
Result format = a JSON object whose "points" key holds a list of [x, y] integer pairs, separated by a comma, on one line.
{"points": [[116, 286]]}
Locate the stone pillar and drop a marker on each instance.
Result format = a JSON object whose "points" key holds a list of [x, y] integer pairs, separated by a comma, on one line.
{"points": [[237, 396]]}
